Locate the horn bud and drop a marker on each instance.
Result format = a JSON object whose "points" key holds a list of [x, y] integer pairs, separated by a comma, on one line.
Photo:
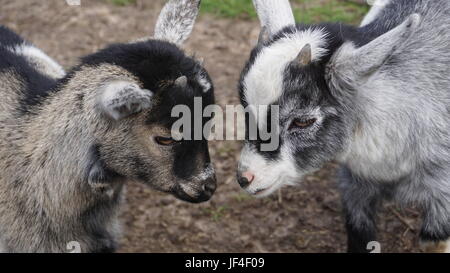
{"points": [[181, 82], [304, 58]]}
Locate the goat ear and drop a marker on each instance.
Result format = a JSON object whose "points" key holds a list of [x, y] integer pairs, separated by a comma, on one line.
{"points": [[274, 15], [176, 20], [350, 66], [120, 99]]}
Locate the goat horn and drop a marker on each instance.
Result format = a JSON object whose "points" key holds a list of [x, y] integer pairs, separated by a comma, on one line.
{"points": [[305, 56], [181, 82]]}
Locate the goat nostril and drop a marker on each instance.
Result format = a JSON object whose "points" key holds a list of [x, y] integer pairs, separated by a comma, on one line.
{"points": [[249, 176], [243, 182], [209, 186], [245, 179]]}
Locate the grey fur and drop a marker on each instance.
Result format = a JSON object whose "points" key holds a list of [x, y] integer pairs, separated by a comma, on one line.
{"points": [[401, 111], [357, 64], [44, 203], [122, 99], [46, 197]]}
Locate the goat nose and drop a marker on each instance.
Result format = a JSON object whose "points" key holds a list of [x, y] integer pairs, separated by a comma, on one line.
{"points": [[250, 177], [245, 179]]}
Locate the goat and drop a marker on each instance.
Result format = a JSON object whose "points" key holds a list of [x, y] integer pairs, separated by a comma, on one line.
{"points": [[69, 142], [375, 98]]}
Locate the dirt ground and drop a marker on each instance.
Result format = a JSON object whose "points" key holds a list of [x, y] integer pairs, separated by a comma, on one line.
{"points": [[306, 218]]}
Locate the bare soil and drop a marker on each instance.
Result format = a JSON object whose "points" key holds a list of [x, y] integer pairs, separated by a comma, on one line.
{"points": [[306, 218]]}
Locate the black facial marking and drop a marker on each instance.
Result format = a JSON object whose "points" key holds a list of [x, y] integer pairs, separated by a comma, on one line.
{"points": [[194, 152], [256, 143]]}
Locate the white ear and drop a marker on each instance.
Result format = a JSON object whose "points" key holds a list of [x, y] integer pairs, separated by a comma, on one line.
{"points": [[351, 66], [120, 99], [176, 20], [274, 14]]}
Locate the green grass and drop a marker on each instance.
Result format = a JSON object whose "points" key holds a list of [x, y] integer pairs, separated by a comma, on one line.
{"points": [[242, 9], [242, 197], [121, 2], [216, 213], [305, 11], [310, 11]]}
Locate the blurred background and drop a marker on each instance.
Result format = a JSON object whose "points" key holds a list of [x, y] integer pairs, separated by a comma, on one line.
{"points": [[306, 218]]}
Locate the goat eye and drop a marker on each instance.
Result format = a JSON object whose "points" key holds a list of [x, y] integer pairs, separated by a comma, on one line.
{"points": [[302, 124], [165, 141]]}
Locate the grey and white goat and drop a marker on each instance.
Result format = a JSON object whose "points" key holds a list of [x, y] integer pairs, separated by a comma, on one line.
{"points": [[69, 142], [376, 98]]}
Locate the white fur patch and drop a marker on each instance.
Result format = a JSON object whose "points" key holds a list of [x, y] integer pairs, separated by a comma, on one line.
{"points": [[40, 60], [269, 175], [264, 82], [374, 151], [377, 7]]}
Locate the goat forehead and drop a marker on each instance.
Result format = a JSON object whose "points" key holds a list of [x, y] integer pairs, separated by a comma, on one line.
{"points": [[263, 84]]}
